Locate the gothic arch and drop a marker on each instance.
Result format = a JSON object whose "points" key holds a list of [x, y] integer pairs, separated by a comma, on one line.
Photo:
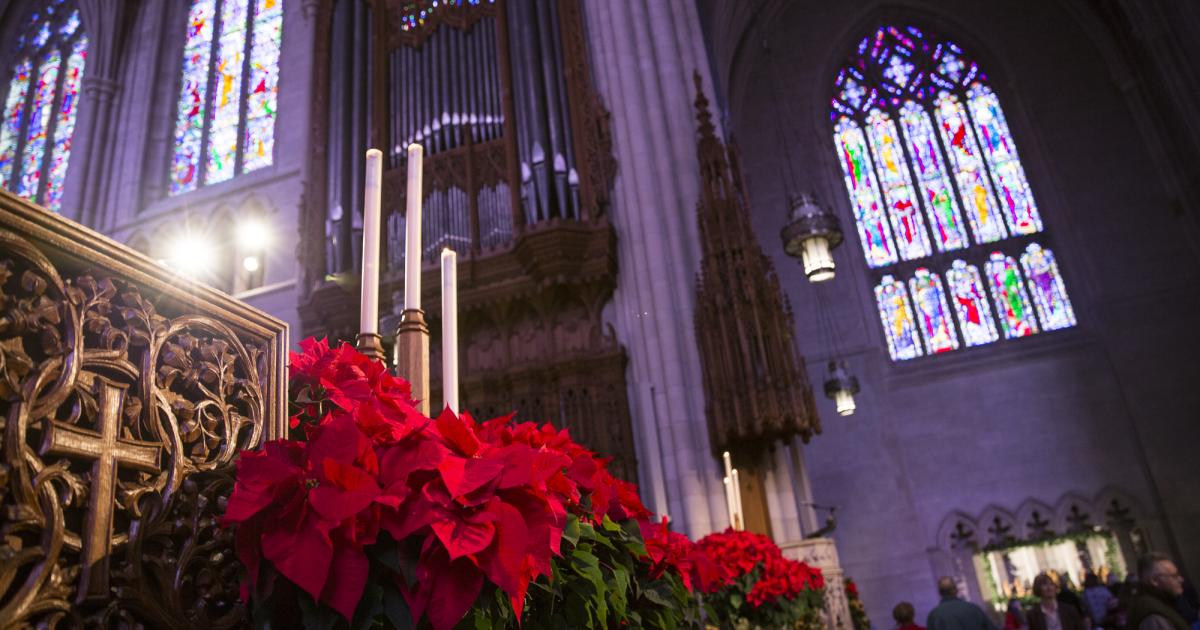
{"points": [[958, 532], [997, 526], [1035, 519], [1074, 512]]}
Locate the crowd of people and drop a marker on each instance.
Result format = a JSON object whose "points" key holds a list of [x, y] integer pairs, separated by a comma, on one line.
{"points": [[1155, 597]]}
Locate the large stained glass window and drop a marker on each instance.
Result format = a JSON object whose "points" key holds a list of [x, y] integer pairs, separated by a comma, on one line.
{"points": [[895, 311], [40, 102], [229, 91], [938, 192]]}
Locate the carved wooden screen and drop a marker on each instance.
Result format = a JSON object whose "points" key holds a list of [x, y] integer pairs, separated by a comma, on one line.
{"points": [[125, 395]]}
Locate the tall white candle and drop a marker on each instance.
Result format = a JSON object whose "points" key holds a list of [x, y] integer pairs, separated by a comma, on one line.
{"points": [[412, 241], [728, 464], [729, 501], [450, 328], [368, 316], [737, 499]]}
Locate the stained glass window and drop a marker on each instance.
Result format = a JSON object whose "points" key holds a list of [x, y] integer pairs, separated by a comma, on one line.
{"points": [[932, 171], [941, 203], [864, 194], [897, 186], [1012, 303], [229, 91], [895, 311], [1001, 154], [40, 103], [1047, 288], [971, 304], [932, 313]]}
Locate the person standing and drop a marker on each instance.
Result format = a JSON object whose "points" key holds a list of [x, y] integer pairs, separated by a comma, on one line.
{"points": [[953, 613], [904, 614], [1098, 600], [1159, 586], [1050, 613]]}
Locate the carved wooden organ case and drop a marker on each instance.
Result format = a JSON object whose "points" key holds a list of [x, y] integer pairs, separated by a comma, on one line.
{"points": [[125, 396], [517, 175]]}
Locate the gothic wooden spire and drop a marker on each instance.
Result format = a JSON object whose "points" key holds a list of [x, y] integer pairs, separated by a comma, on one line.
{"points": [[755, 384]]}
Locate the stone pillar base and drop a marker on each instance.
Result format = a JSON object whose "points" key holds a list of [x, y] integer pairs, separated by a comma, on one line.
{"points": [[822, 553]]}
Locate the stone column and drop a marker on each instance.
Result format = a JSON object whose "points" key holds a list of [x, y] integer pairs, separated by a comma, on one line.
{"points": [[104, 23], [644, 53]]}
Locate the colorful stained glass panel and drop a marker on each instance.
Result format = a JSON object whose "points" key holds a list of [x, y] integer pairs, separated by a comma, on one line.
{"points": [[1012, 303], [10, 127], [37, 132], [863, 189], [941, 204], [969, 173], [933, 315], [896, 314], [971, 304], [1047, 287], [65, 127], [901, 198], [227, 92], [189, 121], [1001, 154], [264, 85]]}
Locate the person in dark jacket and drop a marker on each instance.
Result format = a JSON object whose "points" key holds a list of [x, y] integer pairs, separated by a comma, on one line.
{"points": [[956, 614], [1051, 613], [1159, 586]]}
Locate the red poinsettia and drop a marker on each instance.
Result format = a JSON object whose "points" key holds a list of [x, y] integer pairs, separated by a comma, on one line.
{"points": [[741, 552], [304, 507], [486, 503]]}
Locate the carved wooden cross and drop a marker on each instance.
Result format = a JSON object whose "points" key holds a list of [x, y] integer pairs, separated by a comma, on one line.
{"points": [[109, 451]]}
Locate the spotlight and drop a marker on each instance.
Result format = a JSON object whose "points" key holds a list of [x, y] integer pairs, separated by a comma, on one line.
{"points": [[192, 255], [250, 263], [253, 234]]}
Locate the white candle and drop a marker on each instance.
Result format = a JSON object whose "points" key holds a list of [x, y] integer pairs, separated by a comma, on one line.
{"points": [[729, 501], [737, 499], [450, 328], [728, 464], [412, 218], [368, 316]]}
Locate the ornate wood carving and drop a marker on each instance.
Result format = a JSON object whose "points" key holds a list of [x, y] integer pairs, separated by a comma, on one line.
{"points": [[125, 395], [427, 17], [756, 387]]}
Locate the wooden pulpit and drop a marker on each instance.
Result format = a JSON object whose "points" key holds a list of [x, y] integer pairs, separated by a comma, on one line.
{"points": [[126, 394]]}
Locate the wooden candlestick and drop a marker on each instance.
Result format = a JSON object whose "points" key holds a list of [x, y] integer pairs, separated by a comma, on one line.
{"points": [[370, 344], [412, 355]]}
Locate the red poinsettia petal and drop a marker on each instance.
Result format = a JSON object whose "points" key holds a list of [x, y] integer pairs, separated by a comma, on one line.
{"points": [[458, 432], [463, 537], [502, 562], [464, 476], [346, 491], [302, 555], [348, 576], [445, 589]]}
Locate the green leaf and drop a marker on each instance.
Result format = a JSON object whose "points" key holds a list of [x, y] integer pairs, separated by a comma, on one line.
{"points": [[369, 607], [395, 608], [316, 616], [571, 531]]}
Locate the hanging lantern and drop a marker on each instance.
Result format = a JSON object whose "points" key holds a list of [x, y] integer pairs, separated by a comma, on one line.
{"points": [[841, 386], [811, 234]]}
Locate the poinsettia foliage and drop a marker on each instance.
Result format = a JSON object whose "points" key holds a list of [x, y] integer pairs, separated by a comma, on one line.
{"points": [[379, 515], [758, 586]]}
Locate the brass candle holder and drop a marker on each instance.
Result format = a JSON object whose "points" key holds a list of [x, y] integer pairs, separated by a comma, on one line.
{"points": [[412, 355]]}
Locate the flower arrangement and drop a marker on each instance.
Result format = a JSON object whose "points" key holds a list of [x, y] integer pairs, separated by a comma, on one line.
{"points": [[858, 612], [757, 586], [378, 514]]}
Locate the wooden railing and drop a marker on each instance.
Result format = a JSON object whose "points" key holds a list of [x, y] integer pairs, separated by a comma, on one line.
{"points": [[126, 393]]}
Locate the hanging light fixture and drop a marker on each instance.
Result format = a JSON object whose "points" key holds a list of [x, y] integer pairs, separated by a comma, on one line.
{"points": [[811, 234], [841, 386]]}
